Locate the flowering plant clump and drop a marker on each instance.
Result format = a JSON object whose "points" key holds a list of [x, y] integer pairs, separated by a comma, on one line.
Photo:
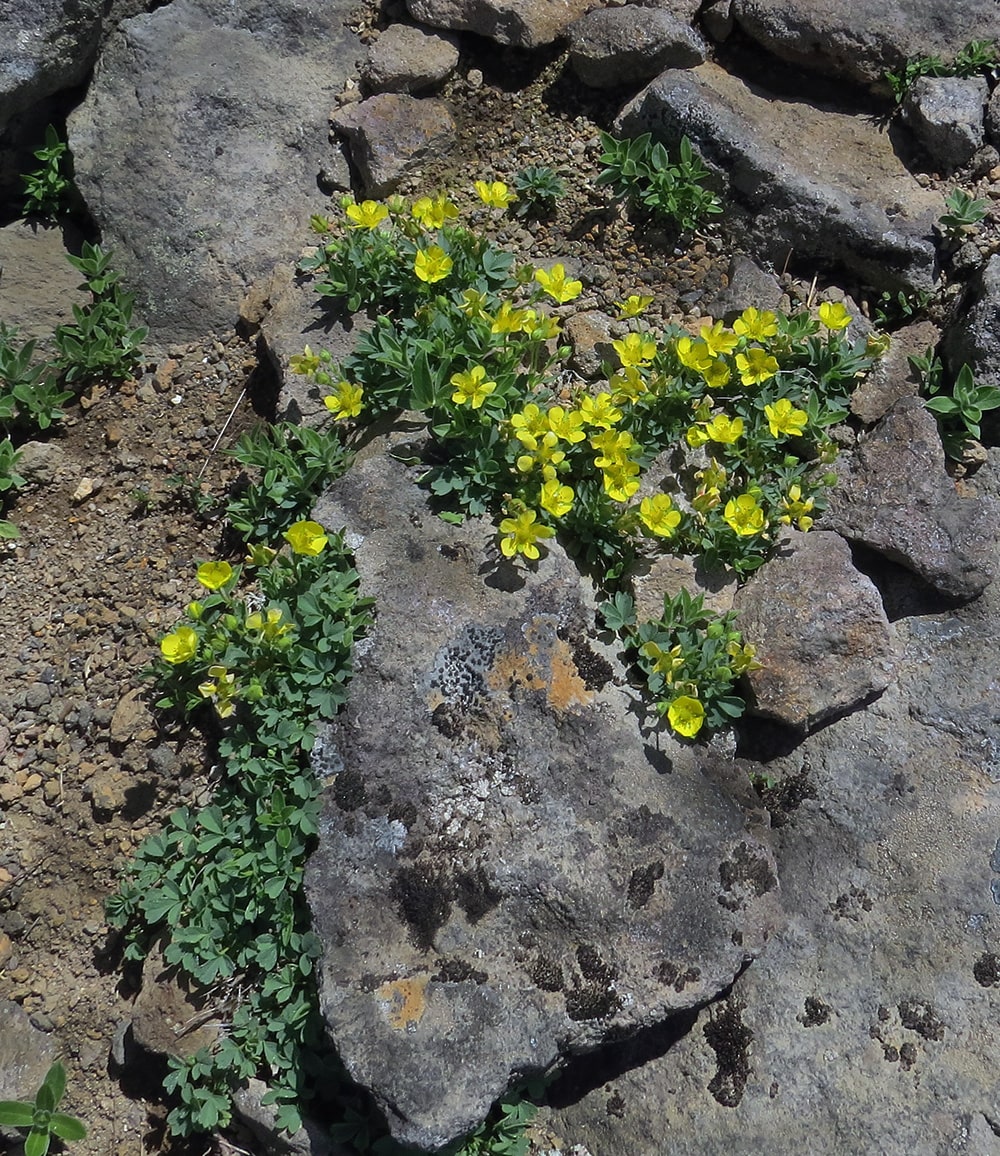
{"points": [[690, 659]]}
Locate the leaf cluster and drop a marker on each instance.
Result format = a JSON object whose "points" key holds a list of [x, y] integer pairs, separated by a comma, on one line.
{"points": [[959, 413], [641, 171], [964, 211], [538, 189], [976, 57], [40, 1118], [47, 188]]}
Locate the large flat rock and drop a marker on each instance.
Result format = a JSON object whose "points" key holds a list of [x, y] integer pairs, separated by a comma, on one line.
{"points": [[800, 180], [509, 871]]}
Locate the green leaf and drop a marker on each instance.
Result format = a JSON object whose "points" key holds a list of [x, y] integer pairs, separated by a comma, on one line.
{"points": [[16, 1114], [37, 1142], [67, 1127], [55, 1081]]}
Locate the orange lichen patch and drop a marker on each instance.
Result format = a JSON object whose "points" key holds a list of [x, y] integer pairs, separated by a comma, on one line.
{"points": [[403, 1001], [566, 687], [546, 663]]}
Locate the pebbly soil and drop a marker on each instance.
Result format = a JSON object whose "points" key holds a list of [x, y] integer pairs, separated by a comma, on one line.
{"points": [[86, 769]]}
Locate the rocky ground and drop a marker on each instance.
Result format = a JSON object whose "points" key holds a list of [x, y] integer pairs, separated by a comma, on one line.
{"points": [[122, 502]]}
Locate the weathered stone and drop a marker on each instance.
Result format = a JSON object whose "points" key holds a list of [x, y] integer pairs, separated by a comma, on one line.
{"points": [[894, 497], [261, 1119], [614, 46], [166, 1019], [749, 285], [589, 335], [38, 286], [668, 574], [42, 463], [991, 119], [717, 18], [859, 41], [409, 59], [946, 116], [198, 145], [892, 376], [25, 1054], [875, 1011], [503, 877], [974, 337], [821, 633], [798, 178], [519, 23], [390, 134], [46, 46]]}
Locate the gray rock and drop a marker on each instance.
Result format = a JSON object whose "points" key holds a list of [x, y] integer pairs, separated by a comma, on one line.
{"points": [[748, 285], [892, 376], [589, 335], [409, 59], [665, 575], [859, 41], [42, 463], [797, 177], [614, 46], [894, 497], [38, 286], [198, 145], [261, 1120], [25, 1054], [46, 46], [946, 116], [992, 118], [974, 337], [508, 872], [821, 633], [519, 23], [717, 18], [390, 134], [875, 1011], [166, 1019]]}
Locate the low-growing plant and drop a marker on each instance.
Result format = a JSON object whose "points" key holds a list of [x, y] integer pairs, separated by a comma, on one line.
{"points": [[47, 187], [40, 1118], [538, 190], [893, 310], [294, 464], [964, 211], [689, 658], [959, 413], [30, 397], [266, 659], [102, 341], [674, 191], [10, 479], [976, 57]]}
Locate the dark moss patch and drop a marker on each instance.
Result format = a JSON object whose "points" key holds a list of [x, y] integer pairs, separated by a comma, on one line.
{"points": [[784, 796], [644, 826], [475, 893], [448, 720], [986, 970], [678, 978], [615, 1106], [405, 813], [642, 884], [907, 1056], [592, 967], [593, 997], [851, 904], [349, 791], [747, 873], [546, 973], [424, 900], [456, 970], [595, 670], [816, 1012], [921, 1018], [730, 1039]]}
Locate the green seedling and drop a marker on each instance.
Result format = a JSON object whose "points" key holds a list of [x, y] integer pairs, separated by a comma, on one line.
{"points": [[40, 1118], [538, 189], [961, 413], [46, 188], [964, 211]]}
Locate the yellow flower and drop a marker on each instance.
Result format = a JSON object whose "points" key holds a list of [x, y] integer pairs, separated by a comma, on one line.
{"points": [[542, 328], [599, 411], [304, 363], [834, 316], [744, 515], [693, 354], [432, 214], [179, 646], [471, 388], [222, 688], [214, 575], [367, 215], [521, 534], [707, 498], [529, 425], [742, 659], [633, 306], [658, 515], [797, 510], [269, 627], [621, 480], [634, 349], [628, 385], [725, 429], [543, 452], [696, 436], [307, 538], [713, 476], [345, 401], [473, 304], [756, 366], [718, 339], [716, 373], [495, 194], [508, 319], [686, 716], [554, 283], [784, 418], [755, 325], [566, 424], [665, 662], [612, 448], [432, 264], [556, 498]]}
